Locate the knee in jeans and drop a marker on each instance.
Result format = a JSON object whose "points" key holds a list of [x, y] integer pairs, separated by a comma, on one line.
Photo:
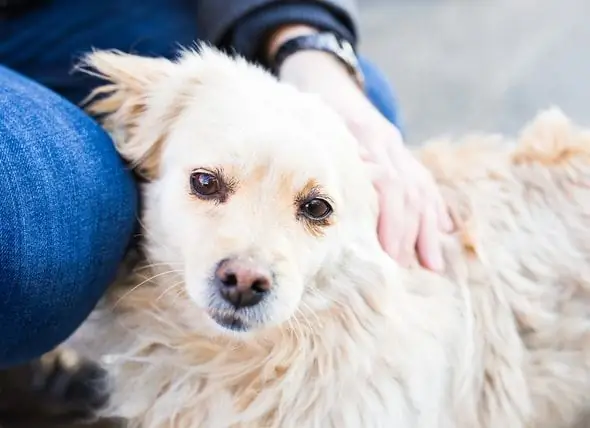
{"points": [[68, 212]]}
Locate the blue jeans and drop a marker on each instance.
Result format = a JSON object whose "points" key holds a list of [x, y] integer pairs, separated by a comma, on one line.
{"points": [[68, 206]]}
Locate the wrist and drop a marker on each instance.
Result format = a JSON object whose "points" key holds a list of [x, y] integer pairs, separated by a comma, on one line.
{"points": [[323, 67], [284, 34], [338, 54]]}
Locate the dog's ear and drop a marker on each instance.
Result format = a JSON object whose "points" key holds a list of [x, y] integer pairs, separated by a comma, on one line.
{"points": [[122, 102]]}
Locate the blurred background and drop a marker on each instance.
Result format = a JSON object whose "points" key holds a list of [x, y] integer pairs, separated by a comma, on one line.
{"points": [[483, 65]]}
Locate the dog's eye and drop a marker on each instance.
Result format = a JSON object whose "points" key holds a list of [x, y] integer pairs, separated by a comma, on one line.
{"points": [[205, 184], [316, 209]]}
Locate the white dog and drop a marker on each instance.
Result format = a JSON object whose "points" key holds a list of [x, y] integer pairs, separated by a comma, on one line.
{"points": [[265, 299]]}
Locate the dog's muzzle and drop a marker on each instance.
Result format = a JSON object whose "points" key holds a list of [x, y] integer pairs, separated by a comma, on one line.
{"points": [[239, 286]]}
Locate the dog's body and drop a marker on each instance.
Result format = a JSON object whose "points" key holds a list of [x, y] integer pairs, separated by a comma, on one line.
{"points": [[502, 339]]}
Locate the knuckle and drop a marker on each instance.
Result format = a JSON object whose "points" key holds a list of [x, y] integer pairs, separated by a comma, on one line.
{"points": [[413, 198], [391, 175], [373, 145]]}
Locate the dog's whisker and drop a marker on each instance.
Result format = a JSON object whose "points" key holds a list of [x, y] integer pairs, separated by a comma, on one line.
{"points": [[177, 294], [299, 332], [170, 288], [323, 295], [291, 330], [176, 290], [306, 318], [308, 323], [300, 329], [311, 311], [142, 283], [157, 274], [153, 265], [296, 319]]}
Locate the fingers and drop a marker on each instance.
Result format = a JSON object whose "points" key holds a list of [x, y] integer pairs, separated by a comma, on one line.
{"points": [[391, 210], [428, 244], [432, 216], [446, 223], [412, 212], [364, 153], [405, 222], [434, 219], [411, 227]]}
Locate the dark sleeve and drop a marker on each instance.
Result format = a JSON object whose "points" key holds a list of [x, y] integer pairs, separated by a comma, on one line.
{"points": [[244, 25]]}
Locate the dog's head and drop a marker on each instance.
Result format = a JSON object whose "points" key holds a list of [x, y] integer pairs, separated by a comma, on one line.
{"points": [[254, 190]]}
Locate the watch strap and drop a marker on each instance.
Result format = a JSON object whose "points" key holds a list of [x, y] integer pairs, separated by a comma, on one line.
{"points": [[341, 49]]}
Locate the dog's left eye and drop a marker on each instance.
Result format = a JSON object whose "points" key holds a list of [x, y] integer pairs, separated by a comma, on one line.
{"points": [[316, 209], [205, 184]]}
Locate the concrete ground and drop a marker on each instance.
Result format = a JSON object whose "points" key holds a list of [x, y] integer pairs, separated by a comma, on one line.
{"points": [[484, 65]]}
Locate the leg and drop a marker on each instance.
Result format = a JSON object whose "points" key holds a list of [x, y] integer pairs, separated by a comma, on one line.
{"points": [[67, 213], [56, 388], [380, 93], [72, 205]]}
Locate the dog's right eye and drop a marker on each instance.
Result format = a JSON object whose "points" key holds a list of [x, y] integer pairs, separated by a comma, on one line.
{"points": [[316, 209], [205, 184]]}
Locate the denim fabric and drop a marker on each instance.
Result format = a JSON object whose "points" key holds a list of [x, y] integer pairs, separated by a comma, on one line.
{"points": [[68, 204], [67, 213]]}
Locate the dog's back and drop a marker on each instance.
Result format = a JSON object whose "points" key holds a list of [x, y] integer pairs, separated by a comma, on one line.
{"points": [[523, 218]]}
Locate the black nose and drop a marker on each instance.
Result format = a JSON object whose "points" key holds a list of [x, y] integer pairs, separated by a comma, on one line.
{"points": [[242, 283]]}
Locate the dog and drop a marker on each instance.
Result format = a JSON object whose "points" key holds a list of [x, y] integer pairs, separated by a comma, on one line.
{"points": [[264, 299]]}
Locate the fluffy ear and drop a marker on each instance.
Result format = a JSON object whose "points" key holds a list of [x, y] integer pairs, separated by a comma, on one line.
{"points": [[122, 103]]}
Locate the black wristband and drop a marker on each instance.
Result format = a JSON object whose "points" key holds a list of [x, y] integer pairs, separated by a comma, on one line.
{"points": [[324, 42]]}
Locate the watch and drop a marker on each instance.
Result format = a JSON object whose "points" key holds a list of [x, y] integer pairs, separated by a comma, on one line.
{"points": [[325, 42]]}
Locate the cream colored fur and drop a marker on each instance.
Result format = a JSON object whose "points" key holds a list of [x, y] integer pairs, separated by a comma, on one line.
{"points": [[351, 340]]}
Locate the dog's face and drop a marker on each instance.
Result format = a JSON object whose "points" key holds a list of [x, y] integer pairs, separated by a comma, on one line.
{"points": [[254, 188]]}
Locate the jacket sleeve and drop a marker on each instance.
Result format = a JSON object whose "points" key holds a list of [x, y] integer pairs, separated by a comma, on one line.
{"points": [[244, 25]]}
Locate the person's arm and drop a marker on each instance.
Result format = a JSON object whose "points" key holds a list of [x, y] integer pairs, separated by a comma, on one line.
{"points": [[246, 26]]}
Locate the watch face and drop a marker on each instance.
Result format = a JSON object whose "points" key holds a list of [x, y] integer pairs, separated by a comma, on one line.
{"points": [[348, 52], [343, 50]]}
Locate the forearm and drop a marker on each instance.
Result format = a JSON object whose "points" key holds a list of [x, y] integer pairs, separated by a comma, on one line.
{"points": [[319, 60], [248, 26]]}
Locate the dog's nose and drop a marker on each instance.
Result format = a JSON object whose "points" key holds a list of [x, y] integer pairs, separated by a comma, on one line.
{"points": [[242, 283]]}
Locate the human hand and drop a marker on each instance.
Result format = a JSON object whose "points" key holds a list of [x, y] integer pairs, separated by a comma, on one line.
{"points": [[412, 211]]}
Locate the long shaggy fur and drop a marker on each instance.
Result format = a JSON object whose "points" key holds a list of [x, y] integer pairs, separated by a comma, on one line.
{"points": [[502, 339]]}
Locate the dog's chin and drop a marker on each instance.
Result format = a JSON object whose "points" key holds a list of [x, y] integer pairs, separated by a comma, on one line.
{"points": [[237, 323], [231, 323]]}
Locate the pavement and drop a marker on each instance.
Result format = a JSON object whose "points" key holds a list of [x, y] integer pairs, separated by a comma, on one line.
{"points": [[480, 65]]}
